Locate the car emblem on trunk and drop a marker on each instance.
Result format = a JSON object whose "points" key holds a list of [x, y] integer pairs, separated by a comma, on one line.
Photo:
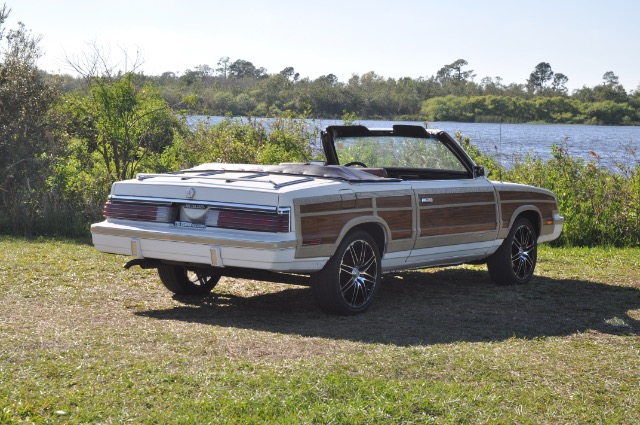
{"points": [[191, 193]]}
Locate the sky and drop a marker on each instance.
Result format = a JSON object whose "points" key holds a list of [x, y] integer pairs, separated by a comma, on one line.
{"points": [[394, 38]]}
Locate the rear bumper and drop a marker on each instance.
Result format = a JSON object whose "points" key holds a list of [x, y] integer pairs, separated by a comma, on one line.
{"points": [[214, 247]]}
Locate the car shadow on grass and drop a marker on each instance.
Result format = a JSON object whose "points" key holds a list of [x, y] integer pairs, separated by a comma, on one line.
{"points": [[417, 308]]}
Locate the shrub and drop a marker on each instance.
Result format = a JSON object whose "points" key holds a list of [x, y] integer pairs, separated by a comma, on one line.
{"points": [[244, 140], [601, 207]]}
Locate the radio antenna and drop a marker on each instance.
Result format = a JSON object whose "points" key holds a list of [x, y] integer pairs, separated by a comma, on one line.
{"points": [[500, 151]]}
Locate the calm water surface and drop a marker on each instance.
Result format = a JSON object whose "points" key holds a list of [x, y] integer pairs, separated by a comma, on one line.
{"points": [[607, 145]]}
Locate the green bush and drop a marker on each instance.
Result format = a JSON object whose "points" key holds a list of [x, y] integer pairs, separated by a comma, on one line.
{"points": [[601, 207], [244, 140]]}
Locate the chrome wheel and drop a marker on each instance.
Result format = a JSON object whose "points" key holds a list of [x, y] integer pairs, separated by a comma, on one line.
{"points": [[523, 252], [349, 281], [184, 281], [358, 273], [515, 261], [201, 280]]}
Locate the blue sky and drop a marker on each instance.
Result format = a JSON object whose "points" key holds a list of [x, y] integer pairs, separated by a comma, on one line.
{"points": [[401, 38]]}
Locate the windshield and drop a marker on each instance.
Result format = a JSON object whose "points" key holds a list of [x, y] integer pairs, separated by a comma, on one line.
{"points": [[396, 151]]}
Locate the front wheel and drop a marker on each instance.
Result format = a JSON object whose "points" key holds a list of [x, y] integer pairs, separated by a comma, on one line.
{"points": [[185, 281], [514, 262], [350, 280]]}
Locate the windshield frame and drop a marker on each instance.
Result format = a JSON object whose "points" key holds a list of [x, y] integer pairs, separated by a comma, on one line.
{"points": [[408, 131]]}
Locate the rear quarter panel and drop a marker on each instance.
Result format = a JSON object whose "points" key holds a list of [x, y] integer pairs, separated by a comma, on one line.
{"points": [[323, 218]]}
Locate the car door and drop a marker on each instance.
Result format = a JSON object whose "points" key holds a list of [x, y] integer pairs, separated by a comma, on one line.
{"points": [[457, 219]]}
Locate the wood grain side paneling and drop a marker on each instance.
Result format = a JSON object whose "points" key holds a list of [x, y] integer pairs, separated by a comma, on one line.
{"points": [[452, 230], [324, 229], [457, 219], [518, 195], [364, 203], [509, 208], [322, 222], [321, 207], [334, 206], [394, 202], [400, 223], [458, 198]]}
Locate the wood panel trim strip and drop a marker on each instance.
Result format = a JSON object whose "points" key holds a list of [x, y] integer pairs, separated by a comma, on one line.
{"points": [[513, 195], [470, 204]]}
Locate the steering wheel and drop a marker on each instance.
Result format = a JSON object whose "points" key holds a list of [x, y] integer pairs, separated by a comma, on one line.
{"points": [[349, 164]]}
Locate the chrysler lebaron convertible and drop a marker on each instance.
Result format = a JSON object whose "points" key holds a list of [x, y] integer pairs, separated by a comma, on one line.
{"points": [[383, 200]]}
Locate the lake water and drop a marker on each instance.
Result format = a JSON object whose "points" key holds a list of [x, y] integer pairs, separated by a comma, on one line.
{"points": [[607, 145]]}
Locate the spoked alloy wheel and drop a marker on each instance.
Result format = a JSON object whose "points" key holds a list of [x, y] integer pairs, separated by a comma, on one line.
{"points": [[523, 253], [515, 261], [349, 281], [358, 273], [185, 281]]}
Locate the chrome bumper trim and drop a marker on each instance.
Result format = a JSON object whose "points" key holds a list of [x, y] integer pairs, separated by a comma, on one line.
{"points": [[129, 232]]}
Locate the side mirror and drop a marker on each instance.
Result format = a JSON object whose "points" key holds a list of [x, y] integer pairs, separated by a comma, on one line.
{"points": [[479, 171]]}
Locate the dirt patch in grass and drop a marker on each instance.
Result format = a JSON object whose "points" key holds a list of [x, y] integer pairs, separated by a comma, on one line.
{"points": [[86, 298], [431, 307]]}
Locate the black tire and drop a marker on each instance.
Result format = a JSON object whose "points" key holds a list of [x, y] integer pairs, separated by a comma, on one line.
{"points": [[515, 261], [350, 280], [185, 281]]}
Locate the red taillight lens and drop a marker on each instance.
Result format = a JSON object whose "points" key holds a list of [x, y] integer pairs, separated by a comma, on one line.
{"points": [[257, 221], [139, 212]]}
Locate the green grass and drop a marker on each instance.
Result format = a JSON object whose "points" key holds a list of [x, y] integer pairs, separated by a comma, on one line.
{"points": [[84, 341]]}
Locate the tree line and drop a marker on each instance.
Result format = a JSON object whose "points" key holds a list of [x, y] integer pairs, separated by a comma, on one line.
{"points": [[64, 141], [240, 88]]}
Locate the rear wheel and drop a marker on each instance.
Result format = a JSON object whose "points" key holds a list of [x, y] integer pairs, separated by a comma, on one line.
{"points": [[350, 280], [515, 261], [186, 281]]}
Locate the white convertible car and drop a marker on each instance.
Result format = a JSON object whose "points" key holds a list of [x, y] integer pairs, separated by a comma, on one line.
{"points": [[384, 200]]}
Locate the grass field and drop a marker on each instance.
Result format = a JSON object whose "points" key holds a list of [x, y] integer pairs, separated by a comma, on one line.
{"points": [[84, 341]]}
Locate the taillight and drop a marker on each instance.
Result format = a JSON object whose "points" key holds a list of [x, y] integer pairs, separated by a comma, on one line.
{"points": [[198, 216], [140, 212], [248, 220]]}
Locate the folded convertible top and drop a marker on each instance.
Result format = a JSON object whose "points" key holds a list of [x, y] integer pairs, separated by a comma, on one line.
{"points": [[335, 172]]}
